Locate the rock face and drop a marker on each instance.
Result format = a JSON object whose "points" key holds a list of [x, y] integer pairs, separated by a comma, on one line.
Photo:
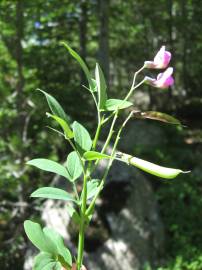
{"points": [[136, 231], [126, 232]]}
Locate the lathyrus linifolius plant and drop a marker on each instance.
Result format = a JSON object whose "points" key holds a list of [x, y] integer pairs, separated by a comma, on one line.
{"points": [[83, 160]]}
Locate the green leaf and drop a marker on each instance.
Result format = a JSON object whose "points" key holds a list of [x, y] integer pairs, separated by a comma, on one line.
{"points": [[42, 259], [53, 266], [163, 117], [74, 166], [54, 106], [81, 137], [73, 214], [163, 172], [64, 125], [82, 64], [92, 155], [92, 188], [114, 104], [36, 236], [65, 255], [49, 166], [52, 193], [101, 87]]}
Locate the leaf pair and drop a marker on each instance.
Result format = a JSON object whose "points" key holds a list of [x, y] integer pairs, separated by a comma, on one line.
{"points": [[71, 171], [53, 253], [58, 115]]}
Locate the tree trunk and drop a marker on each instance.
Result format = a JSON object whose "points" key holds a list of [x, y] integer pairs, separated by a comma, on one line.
{"points": [[103, 54], [83, 33]]}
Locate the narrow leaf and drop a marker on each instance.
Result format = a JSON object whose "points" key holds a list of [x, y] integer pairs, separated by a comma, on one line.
{"points": [[64, 125], [163, 172], [114, 104], [74, 166], [81, 137], [92, 155], [54, 106], [163, 117], [101, 87], [82, 64], [52, 193], [36, 236], [49, 166]]}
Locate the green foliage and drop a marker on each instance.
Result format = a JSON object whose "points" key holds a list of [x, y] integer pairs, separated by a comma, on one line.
{"points": [[54, 106], [101, 87], [82, 137], [49, 166], [74, 166], [64, 125], [52, 193], [38, 238], [92, 155], [114, 104], [82, 64], [53, 254]]}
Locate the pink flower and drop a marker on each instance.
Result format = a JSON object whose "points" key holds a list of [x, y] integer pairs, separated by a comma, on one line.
{"points": [[163, 80], [161, 60]]}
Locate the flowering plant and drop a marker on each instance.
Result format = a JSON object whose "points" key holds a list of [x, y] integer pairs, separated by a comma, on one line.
{"points": [[82, 162]]}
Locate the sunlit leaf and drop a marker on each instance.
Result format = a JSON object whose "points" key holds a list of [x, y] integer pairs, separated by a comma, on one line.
{"points": [[74, 166], [101, 87], [54, 106], [35, 234], [49, 166], [82, 64], [53, 266], [92, 155], [52, 193], [114, 104], [42, 260], [92, 188], [81, 136], [64, 125], [65, 255]]}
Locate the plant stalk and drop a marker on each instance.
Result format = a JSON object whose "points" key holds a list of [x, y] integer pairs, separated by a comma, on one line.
{"points": [[82, 224]]}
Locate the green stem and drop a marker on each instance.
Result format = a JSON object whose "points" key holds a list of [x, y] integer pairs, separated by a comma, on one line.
{"points": [[111, 131], [133, 87], [97, 134], [92, 204], [82, 224]]}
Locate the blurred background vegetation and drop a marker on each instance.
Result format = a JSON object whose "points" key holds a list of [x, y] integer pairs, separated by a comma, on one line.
{"points": [[120, 35]]}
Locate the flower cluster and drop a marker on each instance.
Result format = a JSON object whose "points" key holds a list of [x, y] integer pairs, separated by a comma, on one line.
{"points": [[161, 61]]}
